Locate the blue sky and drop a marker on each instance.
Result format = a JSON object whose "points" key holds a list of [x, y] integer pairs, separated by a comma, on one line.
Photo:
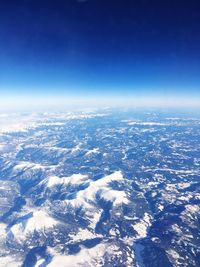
{"points": [[99, 48]]}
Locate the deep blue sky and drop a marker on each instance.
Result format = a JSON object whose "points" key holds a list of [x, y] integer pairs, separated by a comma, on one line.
{"points": [[100, 47]]}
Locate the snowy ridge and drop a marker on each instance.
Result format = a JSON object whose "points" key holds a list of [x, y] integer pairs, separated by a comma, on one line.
{"points": [[37, 220], [55, 180], [100, 187]]}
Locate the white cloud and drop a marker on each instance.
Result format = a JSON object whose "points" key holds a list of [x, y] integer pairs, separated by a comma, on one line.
{"points": [[40, 103]]}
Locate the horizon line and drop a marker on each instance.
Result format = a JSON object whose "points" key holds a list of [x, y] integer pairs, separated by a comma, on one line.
{"points": [[37, 102]]}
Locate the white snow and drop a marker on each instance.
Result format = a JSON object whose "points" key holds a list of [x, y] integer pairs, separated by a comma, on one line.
{"points": [[83, 234], [92, 151], [117, 197], [2, 232], [94, 219], [184, 185], [160, 207], [101, 186], [76, 148], [56, 123], [74, 179], [39, 221], [173, 254], [148, 123], [86, 257], [192, 208], [87, 197], [183, 171], [24, 165], [9, 261], [40, 263], [142, 226], [174, 257]]}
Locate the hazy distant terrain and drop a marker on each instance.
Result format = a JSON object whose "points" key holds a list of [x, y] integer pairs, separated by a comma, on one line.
{"points": [[102, 188]]}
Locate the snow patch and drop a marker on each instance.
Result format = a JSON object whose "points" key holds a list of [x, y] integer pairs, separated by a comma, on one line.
{"points": [[2, 231], [24, 165], [86, 257], [9, 261], [74, 179], [40, 263], [92, 151], [142, 226], [117, 197], [148, 123], [83, 234], [39, 220]]}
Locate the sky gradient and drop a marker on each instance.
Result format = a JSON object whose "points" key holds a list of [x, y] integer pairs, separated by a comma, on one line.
{"points": [[100, 48]]}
